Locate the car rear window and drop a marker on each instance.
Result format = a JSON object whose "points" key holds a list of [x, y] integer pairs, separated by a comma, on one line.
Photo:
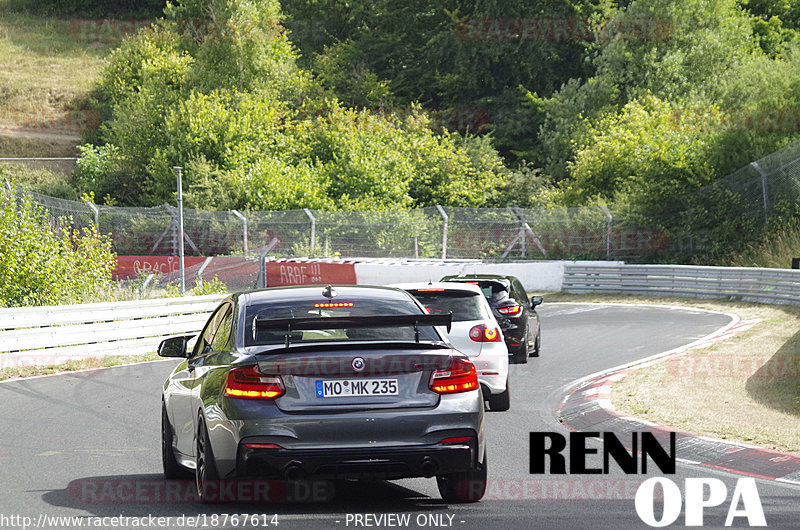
{"points": [[492, 290], [333, 308], [464, 305]]}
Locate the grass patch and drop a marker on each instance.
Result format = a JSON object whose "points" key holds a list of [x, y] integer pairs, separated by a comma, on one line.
{"points": [[47, 71], [775, 251], [746, 389], [73, 366]]}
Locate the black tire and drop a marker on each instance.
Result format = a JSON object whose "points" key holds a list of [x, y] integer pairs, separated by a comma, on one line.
{"points": [[502, 401], [537, 346], [206, 468], [172, 469], [467, 486]]}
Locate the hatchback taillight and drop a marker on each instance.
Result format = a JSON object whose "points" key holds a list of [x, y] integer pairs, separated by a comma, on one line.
{"points": [[481, 333], [510, 310], [250, 383], [460, 376]]}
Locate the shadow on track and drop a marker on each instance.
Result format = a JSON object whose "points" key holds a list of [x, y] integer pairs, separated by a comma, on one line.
{"points": [[143, 495]]}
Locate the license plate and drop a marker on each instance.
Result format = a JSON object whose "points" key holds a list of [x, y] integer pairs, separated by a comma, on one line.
{"points": [[356, 387]]}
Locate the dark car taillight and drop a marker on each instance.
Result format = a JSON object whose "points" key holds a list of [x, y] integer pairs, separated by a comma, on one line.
{"points": [[460, 376], [481, 333], [513, 309], [250, 383]]}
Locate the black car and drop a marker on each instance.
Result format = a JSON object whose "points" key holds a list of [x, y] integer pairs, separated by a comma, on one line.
{"points": [[339, 382], [514, 312]]}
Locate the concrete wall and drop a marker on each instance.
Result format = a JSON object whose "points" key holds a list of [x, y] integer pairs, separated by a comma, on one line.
{"points": [[534, 275]]}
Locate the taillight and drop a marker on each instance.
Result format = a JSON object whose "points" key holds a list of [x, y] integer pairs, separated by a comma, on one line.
{"points": [[456, 440], [262, 446], [250, 383], [510, 310], [481, 333], [460, 376]]}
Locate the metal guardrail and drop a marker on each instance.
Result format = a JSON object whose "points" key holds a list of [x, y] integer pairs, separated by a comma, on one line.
{"points": [[84, 330], [773, 286], [54, 334]]}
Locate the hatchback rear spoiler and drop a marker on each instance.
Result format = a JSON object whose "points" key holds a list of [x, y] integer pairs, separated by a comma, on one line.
{"points": [[373, 321]]}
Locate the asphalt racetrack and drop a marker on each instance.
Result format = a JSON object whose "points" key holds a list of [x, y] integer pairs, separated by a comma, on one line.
{"points": [[88, 445]]}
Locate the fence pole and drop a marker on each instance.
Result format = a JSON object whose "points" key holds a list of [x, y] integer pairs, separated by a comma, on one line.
{"points": [[313, 230], [203, 268], [244, 223], [608, 230], [764, 192], [96, 211], [446, 220], [178, 173], [261, 281]]}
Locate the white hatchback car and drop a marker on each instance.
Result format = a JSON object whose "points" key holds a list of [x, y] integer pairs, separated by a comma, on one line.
{"points": [[474, 332]]}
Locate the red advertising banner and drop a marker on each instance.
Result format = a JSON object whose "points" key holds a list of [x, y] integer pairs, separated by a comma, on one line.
{"points": [[309, 273], [132, 266]]}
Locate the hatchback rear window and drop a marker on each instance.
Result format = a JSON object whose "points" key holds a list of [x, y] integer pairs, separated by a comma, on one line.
{"points": [[333, 308], [464, 305], [493, 290]]}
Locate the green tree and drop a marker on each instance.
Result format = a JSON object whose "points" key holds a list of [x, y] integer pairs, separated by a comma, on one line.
{"points": [[448, 54], [691, 48], [230, 105]]}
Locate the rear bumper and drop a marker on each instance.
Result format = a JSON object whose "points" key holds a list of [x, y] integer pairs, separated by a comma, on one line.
{"points": [[384, 462], [514, 336], [492, 366]]}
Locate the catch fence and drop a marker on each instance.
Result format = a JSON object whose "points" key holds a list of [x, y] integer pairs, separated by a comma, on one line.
{"points": [[737, 206], [433, 232]]}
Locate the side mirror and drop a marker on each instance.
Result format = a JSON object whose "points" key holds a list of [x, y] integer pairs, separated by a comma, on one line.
{"points": [[174, 346], [536, 300]]}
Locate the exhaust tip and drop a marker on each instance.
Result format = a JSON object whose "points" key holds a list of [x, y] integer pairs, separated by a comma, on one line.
{"points": [[294, 471], [428, 467]]}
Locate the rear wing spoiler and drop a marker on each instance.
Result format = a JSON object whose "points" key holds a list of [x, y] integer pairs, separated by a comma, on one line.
{"points": [[505, 284], [377, 321]]}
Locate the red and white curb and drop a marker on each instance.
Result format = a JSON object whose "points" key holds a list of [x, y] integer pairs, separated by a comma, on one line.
{"points": [[588, 407]]}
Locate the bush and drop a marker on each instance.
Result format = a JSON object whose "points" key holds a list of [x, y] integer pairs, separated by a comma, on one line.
{"points": [[42, 263]]}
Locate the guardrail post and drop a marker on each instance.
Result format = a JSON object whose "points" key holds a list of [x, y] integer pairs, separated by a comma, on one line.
{"points": [[608, 230], [244, 223], [313, 231], [446, 220]]}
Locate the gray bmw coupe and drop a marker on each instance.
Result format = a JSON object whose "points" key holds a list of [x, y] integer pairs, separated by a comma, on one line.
{"points": [[324, 382]]}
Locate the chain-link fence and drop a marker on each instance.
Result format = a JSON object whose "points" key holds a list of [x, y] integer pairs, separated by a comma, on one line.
{"points": [[741, 203], [433, 232]]}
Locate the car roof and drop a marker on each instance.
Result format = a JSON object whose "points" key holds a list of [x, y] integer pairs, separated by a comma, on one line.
{"points": [[448, 286], [503, 280], [314, 293]]}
